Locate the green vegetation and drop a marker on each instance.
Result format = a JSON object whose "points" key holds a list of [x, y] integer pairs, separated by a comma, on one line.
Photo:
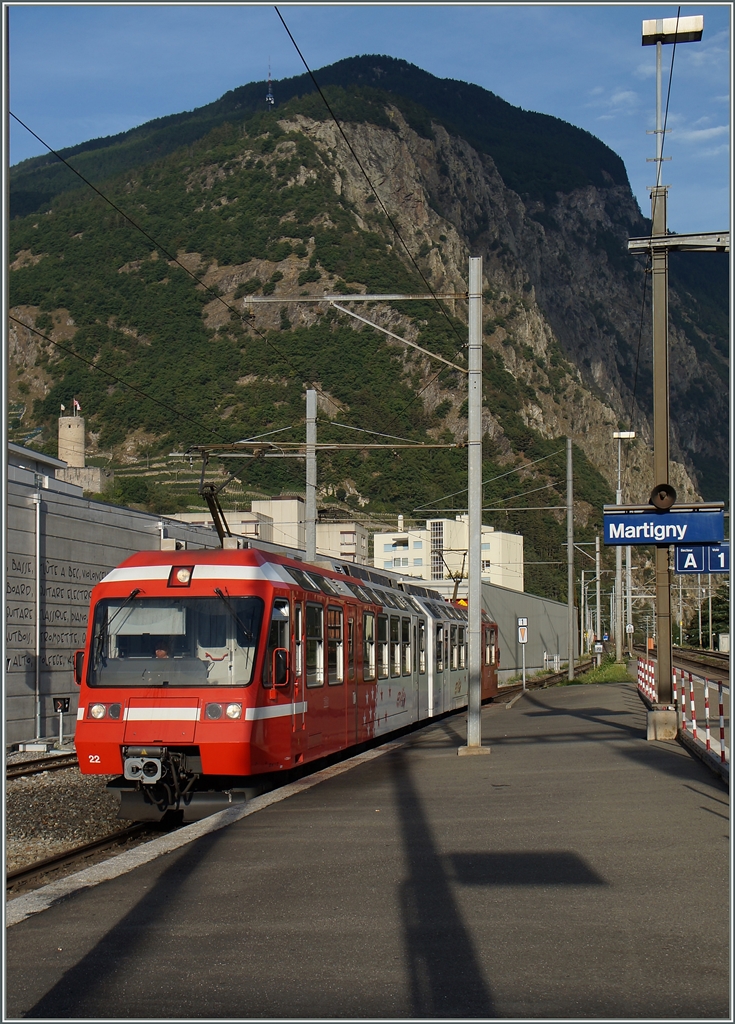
{"points": [[609, 671]]}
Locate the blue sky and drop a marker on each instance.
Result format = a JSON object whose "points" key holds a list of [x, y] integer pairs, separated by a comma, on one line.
{"points": [[90, 70]]}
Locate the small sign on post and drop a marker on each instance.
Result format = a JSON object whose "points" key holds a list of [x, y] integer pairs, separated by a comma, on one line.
{"points": [[523, 640], [61, 706]]}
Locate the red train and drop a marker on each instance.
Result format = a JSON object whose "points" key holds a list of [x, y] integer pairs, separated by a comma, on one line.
{"points": [[206, 672]]}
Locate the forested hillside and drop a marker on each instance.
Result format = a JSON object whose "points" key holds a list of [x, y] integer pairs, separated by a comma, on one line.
{"points": [[235, 202]]}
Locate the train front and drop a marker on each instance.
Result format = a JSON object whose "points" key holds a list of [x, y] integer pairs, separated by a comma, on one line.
{"points": [[174, 644]]}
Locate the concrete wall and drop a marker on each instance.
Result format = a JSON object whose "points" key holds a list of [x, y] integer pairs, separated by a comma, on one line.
{"points": [[80, 541], [547, 628]]}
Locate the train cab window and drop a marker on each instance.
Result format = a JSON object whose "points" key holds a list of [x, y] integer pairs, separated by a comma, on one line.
{"points": [[368, 645], [275, 668], [422, 645], [462, 645], [383, 661], [335, 648], [395, 646], [298, 639], [350, 648], [440, 648], [454, 653], [406, 646], [314, 645]]}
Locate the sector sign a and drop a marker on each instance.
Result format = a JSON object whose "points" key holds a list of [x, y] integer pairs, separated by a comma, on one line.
{"points": [[702, 558]]}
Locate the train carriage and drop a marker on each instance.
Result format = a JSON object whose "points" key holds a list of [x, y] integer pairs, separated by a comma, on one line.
{"points": [[207, 672]]}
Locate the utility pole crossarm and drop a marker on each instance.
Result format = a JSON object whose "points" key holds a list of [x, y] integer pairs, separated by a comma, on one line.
{"points": [[706, 241]]}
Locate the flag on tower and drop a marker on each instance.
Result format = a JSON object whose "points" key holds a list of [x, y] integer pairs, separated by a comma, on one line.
{"points": [[77, 405], [63, 408]]}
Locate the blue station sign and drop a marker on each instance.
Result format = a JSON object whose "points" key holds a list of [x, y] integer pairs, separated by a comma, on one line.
{"points": [[673, 527]]}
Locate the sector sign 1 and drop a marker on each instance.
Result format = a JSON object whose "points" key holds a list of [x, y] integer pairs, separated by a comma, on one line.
{"points": [[664, 527]]}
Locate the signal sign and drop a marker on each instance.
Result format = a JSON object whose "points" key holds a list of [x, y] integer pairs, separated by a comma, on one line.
{"points": [[523, 634]]}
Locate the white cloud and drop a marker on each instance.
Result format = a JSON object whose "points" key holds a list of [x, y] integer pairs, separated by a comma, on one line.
{"points": [[701, 134]]}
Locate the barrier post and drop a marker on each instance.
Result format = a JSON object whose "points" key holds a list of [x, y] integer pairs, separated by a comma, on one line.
{"points": [[683, 704], [722, 723], [693, 711], [708, 743]]}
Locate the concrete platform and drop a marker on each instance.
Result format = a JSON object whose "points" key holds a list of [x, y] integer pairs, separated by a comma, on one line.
{"points": [[579, 872]]}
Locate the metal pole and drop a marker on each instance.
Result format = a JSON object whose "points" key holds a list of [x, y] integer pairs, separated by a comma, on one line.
{"points": [[570, 562], [474, 474], [582, 616], [61, 729], [37, 681], [709, 585], [598, 606], [619, 577], [699, 606], [310, 512], [681, 618], [629, 595], [523, 663]]}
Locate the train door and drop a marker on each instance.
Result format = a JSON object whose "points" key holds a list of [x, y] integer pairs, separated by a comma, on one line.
{"points": [[299, 705], [424, 706], [439, 659], [366, 688], [335, 704], [315, 672], [351, 695], [272, 732]]}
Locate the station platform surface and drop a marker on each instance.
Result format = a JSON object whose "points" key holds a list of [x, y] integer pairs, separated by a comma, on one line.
{"points": [[576, 872]]}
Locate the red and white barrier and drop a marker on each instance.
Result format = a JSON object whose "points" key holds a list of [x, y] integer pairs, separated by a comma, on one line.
{"points": [[647, 679], [707, 738], [693, 709]]}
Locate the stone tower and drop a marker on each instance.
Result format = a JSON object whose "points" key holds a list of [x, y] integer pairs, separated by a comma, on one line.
{"points": [[71, 441]]}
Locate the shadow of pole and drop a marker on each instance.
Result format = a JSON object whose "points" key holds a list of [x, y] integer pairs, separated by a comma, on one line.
{"points": [[91, 987], [445, 976]]}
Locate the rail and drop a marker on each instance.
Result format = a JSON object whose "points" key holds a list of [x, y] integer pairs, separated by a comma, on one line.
{"points": [[37, 765]]}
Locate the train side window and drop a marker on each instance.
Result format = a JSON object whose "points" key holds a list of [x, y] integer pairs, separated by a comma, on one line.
{"points": [[298, 639], [440, 648], [383, 647], [488, 648], [422, 646], [406, 646], [350, 648], [493, 645], [277, 640], [314, 645], [368, 645], [335, 647], [454, 663], [462, 645], [395, 646]]}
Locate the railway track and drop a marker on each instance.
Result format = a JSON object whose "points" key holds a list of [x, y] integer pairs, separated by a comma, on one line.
{"points": [[40, 764], [541, 683], [705, 659], [16, 880]]}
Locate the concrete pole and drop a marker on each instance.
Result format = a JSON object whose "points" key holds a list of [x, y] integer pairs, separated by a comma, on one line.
{"points": [[310, 511], [570, 562], [582, 616], [709, 587], [619, 577], [598, 599], [37, 658], [474, 473]]}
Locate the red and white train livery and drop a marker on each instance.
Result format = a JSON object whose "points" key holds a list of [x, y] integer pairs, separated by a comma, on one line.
{"points": [[206, 672]]}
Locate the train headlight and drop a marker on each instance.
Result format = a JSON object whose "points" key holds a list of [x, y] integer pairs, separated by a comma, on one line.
{"points": [[213, 711], [234, 711], [97, 711], [114, 711]]}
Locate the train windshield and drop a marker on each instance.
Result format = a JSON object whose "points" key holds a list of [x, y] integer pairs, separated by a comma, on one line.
{"points": [[189, 641]]}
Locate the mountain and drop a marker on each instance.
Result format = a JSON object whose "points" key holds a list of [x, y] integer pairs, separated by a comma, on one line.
{"points": [[257, 202]]}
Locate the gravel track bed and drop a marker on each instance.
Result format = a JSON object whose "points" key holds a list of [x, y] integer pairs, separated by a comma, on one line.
{"points": [[52, 812]]}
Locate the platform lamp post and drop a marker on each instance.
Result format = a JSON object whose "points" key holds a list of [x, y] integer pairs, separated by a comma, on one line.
{"points": [[658, 32], [620, 435]]}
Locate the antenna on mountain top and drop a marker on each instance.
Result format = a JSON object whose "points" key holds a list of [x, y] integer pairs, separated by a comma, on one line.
{"points": [[269, 97]]}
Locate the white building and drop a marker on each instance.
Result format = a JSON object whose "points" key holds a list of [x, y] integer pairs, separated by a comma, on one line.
{"points": [[439, 552], [281, 521]]}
